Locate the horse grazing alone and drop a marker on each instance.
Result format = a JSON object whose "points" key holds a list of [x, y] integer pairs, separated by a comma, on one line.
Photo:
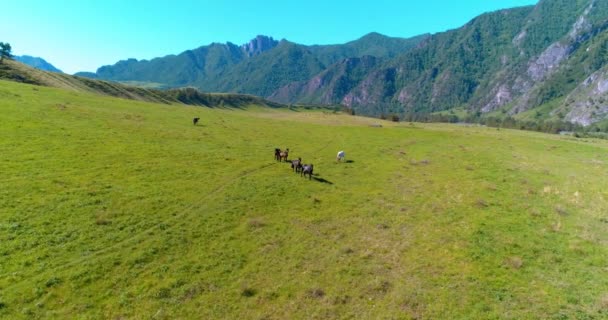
{"points": [[284, 154], [306, 170], [277, 154], [340, 156], [195, 121], [296, 165]]}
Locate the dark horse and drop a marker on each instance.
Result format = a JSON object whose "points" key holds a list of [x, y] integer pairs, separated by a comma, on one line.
{"points": [[195, 121], [277, 154], [306, 170], [296, 165]]}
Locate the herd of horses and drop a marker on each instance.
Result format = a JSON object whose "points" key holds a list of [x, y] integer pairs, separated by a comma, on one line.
{"points": [[296, 165]]}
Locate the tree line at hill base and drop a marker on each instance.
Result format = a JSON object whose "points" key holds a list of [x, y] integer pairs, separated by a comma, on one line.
{"points": [[597, 130]]}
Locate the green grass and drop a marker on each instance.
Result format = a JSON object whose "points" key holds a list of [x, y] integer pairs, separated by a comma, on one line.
{"points": [[543, 112], [113, 208], [459, 112]]}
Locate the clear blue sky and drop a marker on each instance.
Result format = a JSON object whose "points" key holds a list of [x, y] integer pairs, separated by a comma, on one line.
{"points": [[82, 35]]}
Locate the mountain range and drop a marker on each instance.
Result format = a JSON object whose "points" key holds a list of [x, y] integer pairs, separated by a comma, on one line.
{"points": [[548, 61], [259, 67]]}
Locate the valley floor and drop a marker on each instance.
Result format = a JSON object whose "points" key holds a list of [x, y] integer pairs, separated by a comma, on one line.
{"points": [[117, 209]]}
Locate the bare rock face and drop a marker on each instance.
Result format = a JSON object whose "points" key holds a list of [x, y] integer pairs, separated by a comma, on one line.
{"points": [[501, 96], [259, 45], [525, 88], [363, 94], [588, 103], [331, 85], [548, 61], [520, 38], [286, 93], [602, 86], [404, 96], [582, 25]]}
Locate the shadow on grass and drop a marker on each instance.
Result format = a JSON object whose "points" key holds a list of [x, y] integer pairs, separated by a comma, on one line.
{"points": [[322, 180], [349, 161]]}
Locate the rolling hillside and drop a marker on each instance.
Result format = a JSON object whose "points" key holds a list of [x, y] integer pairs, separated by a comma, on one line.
{"points": [[117, 209], [15, 71], [37, 63]]}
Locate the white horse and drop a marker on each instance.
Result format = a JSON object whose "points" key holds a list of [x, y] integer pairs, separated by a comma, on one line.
{"points": [[340, 156]]}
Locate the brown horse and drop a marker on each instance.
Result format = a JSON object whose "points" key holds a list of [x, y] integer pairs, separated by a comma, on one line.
{"points": [[277, 154], [284, 154]]}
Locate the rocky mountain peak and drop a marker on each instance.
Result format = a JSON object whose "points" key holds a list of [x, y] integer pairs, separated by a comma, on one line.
{"points": [[258, 45]]}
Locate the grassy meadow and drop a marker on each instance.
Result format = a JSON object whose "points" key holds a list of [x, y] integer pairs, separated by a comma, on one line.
{"points": [[120, 209]]}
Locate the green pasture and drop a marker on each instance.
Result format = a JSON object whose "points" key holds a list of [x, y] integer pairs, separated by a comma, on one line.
{"points": [[119, 209]]}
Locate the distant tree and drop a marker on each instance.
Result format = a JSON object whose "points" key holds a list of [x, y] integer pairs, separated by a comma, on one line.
{"points": [[395, 117], [5, 51]]}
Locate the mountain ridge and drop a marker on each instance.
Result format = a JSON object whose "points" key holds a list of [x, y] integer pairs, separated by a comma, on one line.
{"points": [[509, 62], [221, 67], [37, 62], [523, 62]]}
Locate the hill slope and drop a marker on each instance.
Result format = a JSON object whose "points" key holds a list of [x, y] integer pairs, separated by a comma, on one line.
{"points": [[118, 208], [335, 81], [15, 71], [37, 63]]}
